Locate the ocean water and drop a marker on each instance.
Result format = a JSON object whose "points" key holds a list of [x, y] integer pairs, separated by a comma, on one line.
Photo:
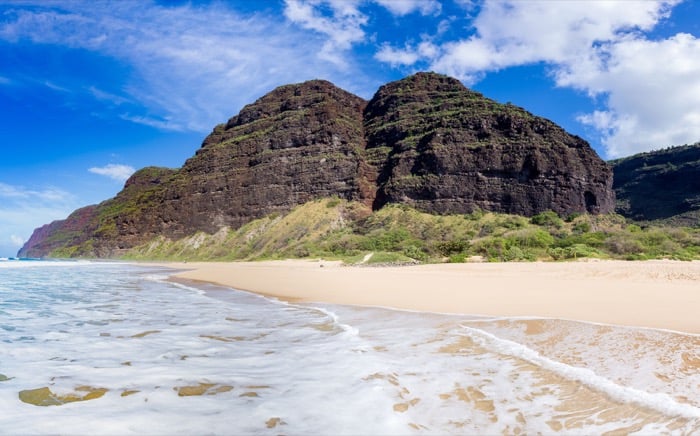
{"points": [[110, 348]]}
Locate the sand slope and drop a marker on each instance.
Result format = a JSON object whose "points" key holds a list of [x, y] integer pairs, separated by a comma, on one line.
{"points": [[657, 294]]}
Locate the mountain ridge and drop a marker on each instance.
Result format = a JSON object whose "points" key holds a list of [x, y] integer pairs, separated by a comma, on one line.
{"points": [[661, 185], [425, 141]]}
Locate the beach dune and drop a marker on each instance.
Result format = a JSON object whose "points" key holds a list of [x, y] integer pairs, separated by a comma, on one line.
{"points": [[654, 294]]}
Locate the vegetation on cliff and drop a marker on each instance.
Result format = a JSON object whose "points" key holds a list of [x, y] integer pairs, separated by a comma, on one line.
{"points": [[425, 141], [427, 170], [337, 229], [661, 186]]}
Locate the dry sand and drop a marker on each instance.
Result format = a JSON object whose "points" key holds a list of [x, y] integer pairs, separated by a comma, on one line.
{"points": [[656, 294]]}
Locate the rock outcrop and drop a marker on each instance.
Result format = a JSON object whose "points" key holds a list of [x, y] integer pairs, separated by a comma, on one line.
{"points": [[426, 141], [662, 185], [295, 144], [451, 150]]}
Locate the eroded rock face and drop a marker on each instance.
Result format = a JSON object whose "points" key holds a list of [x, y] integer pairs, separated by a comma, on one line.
{"points": [[662, 185], [447, 149], [295, 144], [71, 232], [426, 141]]}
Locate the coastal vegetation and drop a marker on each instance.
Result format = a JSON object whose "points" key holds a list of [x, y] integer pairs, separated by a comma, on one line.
{"points": [[333, 228]]}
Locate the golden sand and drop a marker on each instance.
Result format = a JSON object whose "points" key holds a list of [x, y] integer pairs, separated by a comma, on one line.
{"points": [[202, 389], [146, 333], [656, 294], [274, 422]]}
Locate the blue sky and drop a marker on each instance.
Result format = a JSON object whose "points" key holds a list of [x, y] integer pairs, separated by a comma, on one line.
{"points": [[92, 90]]}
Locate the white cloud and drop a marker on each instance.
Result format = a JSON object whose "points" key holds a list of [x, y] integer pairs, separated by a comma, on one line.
{"points": [[56, 87], [396, 57], [17, 241], [407, 55], [12, 192], [192, 66], [343, 26], [114, 171], [652, 91], [107, 96], [648, 91], [404, 7]]}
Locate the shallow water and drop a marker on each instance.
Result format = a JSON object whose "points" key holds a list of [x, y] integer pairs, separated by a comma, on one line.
{"points": [[109, 348]]}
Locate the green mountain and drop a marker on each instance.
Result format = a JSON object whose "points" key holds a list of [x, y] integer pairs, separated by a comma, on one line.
{"points": [[425, 141], [661, 186]]}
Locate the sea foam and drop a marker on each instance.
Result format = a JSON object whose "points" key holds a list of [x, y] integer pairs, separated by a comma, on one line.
{"points": [[183, 358]]}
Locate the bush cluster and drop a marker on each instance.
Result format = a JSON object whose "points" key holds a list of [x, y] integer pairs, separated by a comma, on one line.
{"points": [[337, 229]]}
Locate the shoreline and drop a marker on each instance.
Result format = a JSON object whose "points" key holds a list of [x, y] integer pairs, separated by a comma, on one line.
{"points": [[655, 294]]}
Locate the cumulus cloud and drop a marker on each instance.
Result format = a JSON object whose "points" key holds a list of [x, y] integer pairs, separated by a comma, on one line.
{"points": [[114, 171], [396, 56], [189, 67], [648, 90], [652, 93], [342, 25]]}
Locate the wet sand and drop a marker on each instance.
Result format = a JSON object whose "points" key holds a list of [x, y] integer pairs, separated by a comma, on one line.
{"points": [[654, 294]]}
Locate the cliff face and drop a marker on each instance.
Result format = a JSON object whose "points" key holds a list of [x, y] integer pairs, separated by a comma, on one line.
{"points": [[450, 150], [660, 185], [426, 141], [106, 229], [295, 144]]}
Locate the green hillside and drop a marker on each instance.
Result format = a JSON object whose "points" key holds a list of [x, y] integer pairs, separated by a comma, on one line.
{"points": [[661, 186], [338, 229]]}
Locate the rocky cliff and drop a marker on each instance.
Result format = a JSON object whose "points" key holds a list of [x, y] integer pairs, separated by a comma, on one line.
{"points": [[425, 140], [447, 149], [661, 185]]}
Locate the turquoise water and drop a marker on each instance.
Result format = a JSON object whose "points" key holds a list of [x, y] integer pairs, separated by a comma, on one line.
{"points": [[149, 356]]}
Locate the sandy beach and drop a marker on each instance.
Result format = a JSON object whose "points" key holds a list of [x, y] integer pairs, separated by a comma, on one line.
{"points": [[654, 294]]}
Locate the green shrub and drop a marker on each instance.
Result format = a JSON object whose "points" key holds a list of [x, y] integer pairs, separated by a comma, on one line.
{"points": [[487, 229], [512, 222], [491, 248], [573, 252], [476, 215], [333, 202], [415, 252], [448, 248], [390, 240], [530, 238], [623, 245], [547, 219], [516, 253], [457, 258], [571, 217], [581, 227]]}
